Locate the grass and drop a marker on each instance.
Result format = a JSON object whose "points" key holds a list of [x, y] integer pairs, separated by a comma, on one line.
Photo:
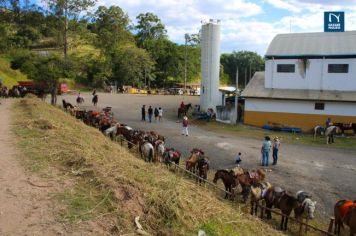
{"points": [[347, 142], [106, 183], [10, 77]]}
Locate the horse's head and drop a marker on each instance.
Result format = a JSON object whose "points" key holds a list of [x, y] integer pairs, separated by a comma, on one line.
{"points": [[216, 176], [309, 207]]}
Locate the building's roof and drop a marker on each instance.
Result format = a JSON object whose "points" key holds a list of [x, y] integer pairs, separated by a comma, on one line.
{"points": [[256, 89], [313, 44]]}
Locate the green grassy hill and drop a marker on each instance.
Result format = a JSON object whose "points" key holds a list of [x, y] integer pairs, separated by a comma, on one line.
{"points": [[104, 184], [9, 77]]}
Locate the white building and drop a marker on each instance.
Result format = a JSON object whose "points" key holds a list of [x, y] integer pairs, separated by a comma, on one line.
{"points": [[210, 65], [308, 77]]}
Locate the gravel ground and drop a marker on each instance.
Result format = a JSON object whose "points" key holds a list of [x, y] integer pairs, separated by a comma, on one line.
{"points": [[328, 174]]}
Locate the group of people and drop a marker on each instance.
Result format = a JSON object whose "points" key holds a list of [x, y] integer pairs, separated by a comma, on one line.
{"points": [[267, 145], [157, 112]]}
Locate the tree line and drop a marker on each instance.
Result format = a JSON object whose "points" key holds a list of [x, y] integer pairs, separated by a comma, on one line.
{"points": [[62, 39]]}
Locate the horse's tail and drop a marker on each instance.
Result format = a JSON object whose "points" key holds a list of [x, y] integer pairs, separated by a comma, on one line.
{"points": [[150, 155]]}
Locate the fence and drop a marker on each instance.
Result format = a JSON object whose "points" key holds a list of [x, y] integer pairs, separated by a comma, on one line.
{"points": [[214, 187]]}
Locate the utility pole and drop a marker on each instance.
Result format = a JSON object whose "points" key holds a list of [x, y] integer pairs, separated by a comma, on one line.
{"points": [[65, 29], [236, 113], [186, 36]]}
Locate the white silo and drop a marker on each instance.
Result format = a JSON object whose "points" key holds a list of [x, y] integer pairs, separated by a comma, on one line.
{"points": [[210, 65]]}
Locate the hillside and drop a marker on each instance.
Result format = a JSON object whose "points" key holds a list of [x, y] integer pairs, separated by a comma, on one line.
{"points": [[10, 77], [104, 185]]}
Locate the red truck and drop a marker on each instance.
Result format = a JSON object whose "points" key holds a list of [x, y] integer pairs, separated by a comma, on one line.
{"points": [[32, 88]]}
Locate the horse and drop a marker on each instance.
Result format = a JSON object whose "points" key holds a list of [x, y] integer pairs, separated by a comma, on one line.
{"points": [[319, 130], [160, 149], [147, 151], [228, 178], [203, 167], [348, 126], [258, 192], [171, 155], [191, 162], [330, 132], [282, 200], [307, 206], [95, 100], [66, 105], [184, 110], [345, 212], [112, 131], [248, 178]]}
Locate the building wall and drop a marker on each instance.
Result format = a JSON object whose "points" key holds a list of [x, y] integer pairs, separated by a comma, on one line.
{"points": [[210, 66], [301, 114], [315, 78]]}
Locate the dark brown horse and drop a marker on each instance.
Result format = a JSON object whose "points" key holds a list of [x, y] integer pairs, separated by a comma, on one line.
{"points": [[278, 198], [228, 178], [345, 212], [184, 110], [346, 126], [203, 167]]}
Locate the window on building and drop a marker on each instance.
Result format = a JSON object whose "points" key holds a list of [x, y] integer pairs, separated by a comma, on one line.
{"points": [[319, 106], [338, 68], [286, 68]]}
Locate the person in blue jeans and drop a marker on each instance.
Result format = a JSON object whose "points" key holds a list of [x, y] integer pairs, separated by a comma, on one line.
{"points": [[276, 145], [265, 149]]}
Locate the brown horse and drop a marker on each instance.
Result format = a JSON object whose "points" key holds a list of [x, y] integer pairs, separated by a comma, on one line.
{"points": [[258, 192], [345, 212], [191, 162], [347, 126], [228, 178], [246, 179], [276, 197], [203, 167], [184, 110]]}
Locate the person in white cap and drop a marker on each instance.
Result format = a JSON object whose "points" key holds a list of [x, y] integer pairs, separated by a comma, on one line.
{"points": [[276, 145], [185, 126]]}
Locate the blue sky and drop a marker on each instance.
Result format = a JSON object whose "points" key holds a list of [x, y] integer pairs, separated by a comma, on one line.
{"points": [[246, 24]]}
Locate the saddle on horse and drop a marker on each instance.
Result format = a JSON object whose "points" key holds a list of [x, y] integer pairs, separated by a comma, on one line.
{"points": [[256, 176]]}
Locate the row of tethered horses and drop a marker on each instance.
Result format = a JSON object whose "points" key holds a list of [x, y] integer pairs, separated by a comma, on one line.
{"points": [[151, 146]]}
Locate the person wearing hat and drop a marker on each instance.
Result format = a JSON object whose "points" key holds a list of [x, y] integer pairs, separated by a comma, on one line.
{"points": [[276, 145], [185, 126], [265, 149]]}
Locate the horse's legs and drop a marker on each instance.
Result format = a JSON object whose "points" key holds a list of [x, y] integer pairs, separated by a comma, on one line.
{"points": [[286, 223], [268, 212]]}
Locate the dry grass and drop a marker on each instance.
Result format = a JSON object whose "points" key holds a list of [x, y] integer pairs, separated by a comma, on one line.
{"points": [[107, 183]]}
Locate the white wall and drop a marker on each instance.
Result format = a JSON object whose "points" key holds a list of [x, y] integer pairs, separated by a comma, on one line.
{"points": [[300, 107], [210, 66], [316, 77]]}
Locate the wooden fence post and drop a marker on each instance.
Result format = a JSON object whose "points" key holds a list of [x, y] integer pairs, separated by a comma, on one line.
{"points": [[331, 224], [300, 228]]}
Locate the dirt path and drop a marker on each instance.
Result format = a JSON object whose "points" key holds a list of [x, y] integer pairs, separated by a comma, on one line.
{"points": [[25, 209], [328, 174]]}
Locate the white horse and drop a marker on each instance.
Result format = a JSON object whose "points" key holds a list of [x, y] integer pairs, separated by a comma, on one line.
{"points": [[319, 130], [307, 207], [160, 149], [111, 132], [330, 132], [147, 151]]}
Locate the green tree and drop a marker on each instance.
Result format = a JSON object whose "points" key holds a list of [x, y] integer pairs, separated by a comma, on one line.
{"points": [[68, 9], [111, 26], [247, 62], [129, 64], [149, 27]]}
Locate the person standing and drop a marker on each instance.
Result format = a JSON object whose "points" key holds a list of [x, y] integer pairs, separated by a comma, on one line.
{"points": [[150, 113], [160, 114], [156, 112], [185, 126], [265, 149], [95, 100], [328, 123], [143, 113], [276, 145]]}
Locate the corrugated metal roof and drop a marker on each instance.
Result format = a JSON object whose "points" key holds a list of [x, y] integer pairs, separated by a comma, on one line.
{"points": [[313, 44], [256, 89]]}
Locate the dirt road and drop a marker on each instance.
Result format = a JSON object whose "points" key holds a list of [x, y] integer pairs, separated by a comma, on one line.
{"points": [[25, 209], [328, 174]]}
